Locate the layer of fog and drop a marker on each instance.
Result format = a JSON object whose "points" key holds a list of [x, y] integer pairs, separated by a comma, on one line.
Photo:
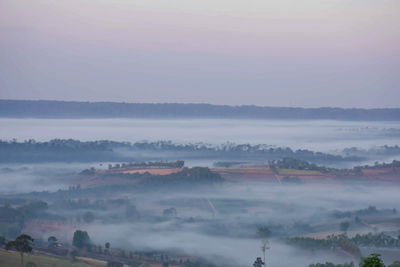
{"points": [[18, 178], [220, 250], [272, 204], [324, 136]]}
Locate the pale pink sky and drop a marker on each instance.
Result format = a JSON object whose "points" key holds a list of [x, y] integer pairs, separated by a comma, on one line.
{"points": [[278, 52]]}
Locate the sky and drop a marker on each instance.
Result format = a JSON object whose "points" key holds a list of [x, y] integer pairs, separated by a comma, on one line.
{"points": [[308, 53]]}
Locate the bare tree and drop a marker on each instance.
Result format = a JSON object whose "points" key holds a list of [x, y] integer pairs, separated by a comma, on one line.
{"points": [[264, 233]]}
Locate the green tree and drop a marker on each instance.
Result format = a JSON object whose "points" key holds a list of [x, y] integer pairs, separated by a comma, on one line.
{"points": [[374, 260], [258, 262], [22, 244], [81, 239], [395, 264]]}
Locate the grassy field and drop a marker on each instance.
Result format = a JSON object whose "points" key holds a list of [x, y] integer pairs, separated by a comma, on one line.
{"points": [[12, 259]]}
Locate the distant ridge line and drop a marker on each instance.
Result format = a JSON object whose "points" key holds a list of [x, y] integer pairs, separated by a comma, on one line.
{"points": [[75, 109]]}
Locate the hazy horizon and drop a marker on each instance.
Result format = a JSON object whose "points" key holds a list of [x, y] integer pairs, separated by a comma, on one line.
{"points": [[277, 53], [209, 133], [200, 103]]}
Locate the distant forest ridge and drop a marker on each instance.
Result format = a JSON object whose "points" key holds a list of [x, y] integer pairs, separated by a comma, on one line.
{"points": [[71, 109], [62, 150]]}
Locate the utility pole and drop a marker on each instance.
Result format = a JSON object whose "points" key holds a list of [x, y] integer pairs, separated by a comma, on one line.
{"points": [[264, 247]]}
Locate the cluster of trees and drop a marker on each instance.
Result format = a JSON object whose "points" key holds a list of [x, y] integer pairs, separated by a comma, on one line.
{"points": [[298, 164], [330, 264], [373, 260], [74, 150], [175, 164], [377, 240], [331, 242], [118, 166], [188, 176], [12, 219], [292, 163], [358, 214], [346, 243], [55, 150], [393, 164], [374, 151]]}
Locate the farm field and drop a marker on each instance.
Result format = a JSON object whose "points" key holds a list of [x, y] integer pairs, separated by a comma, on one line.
{"points": [[12, 259], [268, 175]]}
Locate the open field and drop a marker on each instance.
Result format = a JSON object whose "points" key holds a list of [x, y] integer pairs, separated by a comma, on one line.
{"points": [[12, 259], [255, 174], [267, 174], [385, 174]]}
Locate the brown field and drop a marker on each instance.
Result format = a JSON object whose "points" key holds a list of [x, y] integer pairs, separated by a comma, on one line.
{"points": [[267, 174], [256, 174], [383, 174], [106, 177]]}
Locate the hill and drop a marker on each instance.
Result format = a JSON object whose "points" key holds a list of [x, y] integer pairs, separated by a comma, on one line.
{"points": [[64, 109]]}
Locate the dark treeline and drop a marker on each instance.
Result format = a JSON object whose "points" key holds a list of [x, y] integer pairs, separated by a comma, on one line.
{"points": [[186, 177], [175, 164], [296, 164], [393, 164], [12, 219], [63, 109], [77, 151], [379, 240], [370, 211]]}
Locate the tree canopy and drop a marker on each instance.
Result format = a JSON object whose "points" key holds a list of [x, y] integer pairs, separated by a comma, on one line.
{"points": [[81, 239]]}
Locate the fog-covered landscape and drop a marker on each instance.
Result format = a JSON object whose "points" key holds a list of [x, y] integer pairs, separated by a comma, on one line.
{"points": [[189, 133], [317, 135], [204, 191]]}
